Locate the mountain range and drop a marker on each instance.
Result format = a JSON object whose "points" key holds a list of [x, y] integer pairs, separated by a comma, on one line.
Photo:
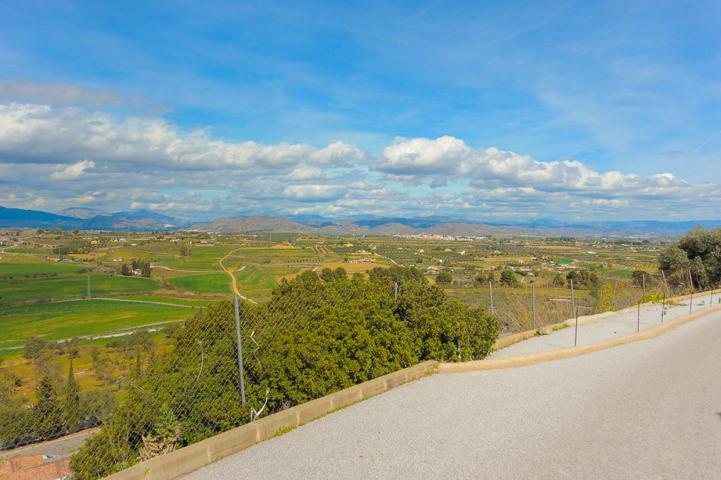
{"points": [[146, 220]]}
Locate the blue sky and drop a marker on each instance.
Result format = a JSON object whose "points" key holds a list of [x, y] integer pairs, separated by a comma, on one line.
{"points": [[483, 110]]}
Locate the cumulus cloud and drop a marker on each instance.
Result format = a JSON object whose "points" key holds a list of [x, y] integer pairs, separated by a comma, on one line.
{"points": [[305, 173], [148, 162], [313, 193], [41, 133], [71, 172]]}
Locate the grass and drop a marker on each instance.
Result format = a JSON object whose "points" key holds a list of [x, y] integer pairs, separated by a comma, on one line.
{"points": [[8, 269], [205, 283], [62, 287], [55, 321]]}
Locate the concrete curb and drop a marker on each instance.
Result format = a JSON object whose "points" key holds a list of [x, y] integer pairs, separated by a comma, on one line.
{"points": [[477, 365], [188, 459]]}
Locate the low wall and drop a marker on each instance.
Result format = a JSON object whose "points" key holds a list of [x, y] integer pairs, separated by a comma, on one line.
{"points": [[188, 459]]}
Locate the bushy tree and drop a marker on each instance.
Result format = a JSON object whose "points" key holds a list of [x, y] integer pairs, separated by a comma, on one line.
{"points": [[444, 278], [71, 403], [508, 278], [47, 413], [316, 335]]}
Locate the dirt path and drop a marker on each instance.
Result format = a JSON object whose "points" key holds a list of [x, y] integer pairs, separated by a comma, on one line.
{"points": [[182, 271], [124, 300], [233, 280]]}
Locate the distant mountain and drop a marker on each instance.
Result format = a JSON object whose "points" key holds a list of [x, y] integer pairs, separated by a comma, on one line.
{"points": [[136, 220], [140, 220], [19, 218], [146, 220], [82, 212], [254, 223]]}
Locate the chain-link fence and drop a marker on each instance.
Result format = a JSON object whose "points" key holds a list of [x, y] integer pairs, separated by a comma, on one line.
{"points": [[145, 394], [148, 393]]}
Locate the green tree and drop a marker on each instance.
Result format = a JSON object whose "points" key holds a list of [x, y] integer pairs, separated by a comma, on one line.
{"points": [[508, 278], [558, 281], [34, 347], [444, 278], [46, 412], [71, 404]]}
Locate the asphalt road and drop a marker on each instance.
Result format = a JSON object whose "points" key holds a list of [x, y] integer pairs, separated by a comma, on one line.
{"points": [[650, 409]]}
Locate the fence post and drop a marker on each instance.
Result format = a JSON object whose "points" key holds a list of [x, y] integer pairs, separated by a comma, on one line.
{"points": [[395, 291], [575, 314], [533, 303], [240, 350], [644, 284], [638, 318], [690, 280], [663, 307], [490, 293]]}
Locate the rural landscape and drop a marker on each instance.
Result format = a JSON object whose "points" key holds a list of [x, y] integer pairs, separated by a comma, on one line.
{"points": [[88, 316], [382, 240]]}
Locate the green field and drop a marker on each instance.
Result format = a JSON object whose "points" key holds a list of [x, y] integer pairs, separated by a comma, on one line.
{"points": [[62, 287], [54, 321], [204, 283]]}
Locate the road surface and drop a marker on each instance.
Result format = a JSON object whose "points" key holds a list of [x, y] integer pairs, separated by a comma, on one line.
{"points": [[618, 324], [650, 409]]}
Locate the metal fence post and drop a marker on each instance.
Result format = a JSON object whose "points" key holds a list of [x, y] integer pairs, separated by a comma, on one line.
{"points": [[533, 303], [490, 293], [575, 314], [240, 350], [638, 318], [663, 307]]}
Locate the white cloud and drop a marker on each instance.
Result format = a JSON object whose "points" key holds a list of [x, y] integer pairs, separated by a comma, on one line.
{"points": [[150, 163], [305, 173], [71, 172], [313, 193]]}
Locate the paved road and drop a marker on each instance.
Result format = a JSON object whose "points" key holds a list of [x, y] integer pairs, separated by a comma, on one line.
{"points": [[619, 324], [650, 409]]}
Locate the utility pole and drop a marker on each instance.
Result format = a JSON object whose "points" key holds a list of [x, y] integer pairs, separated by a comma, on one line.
{"points": [[240, 350], [395, 291]]}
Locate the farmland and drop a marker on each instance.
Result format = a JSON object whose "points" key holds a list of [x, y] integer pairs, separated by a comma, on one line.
{"points": [[61, 285]]}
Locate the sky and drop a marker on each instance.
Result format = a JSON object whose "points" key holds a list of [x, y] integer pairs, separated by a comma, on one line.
{"points": [[485, 111]]}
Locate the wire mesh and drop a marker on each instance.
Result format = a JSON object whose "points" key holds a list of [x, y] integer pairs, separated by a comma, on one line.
{"points": [[148, 393]]}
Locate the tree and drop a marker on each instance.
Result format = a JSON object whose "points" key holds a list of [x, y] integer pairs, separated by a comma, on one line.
{"points": [[145, 270], [317, 336], [46, 412], [185, 249], [640, 278], [558, 281], [674, 264], [444, 278], [508, 278], [34, 347], [699, 275], [71, 404], [126, 270]]}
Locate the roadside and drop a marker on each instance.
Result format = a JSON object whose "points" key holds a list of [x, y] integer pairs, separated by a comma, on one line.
{"points": [[607, 326]]}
